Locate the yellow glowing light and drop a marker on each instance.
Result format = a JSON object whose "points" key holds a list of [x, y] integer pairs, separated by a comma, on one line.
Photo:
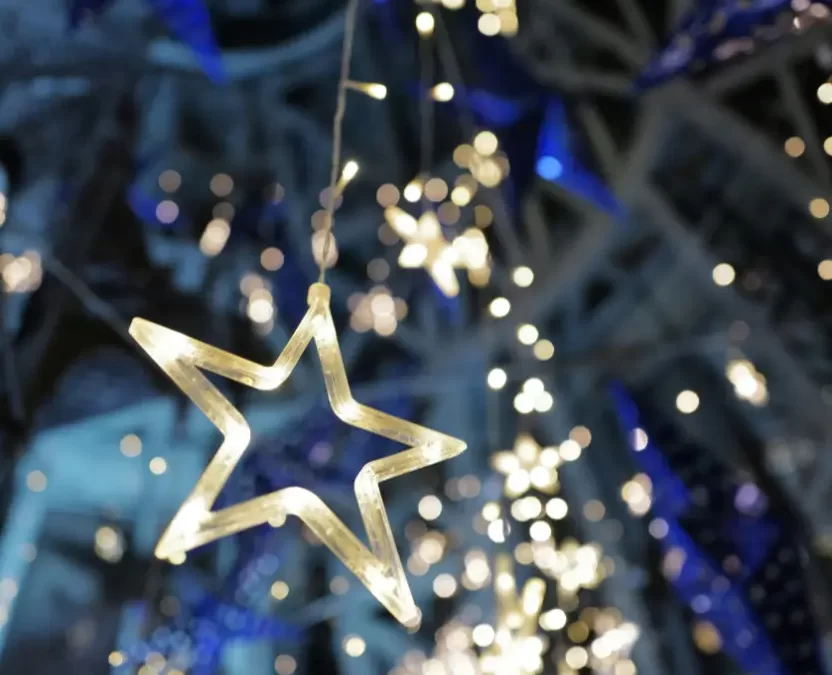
{"points": [[827, 145], [279, 590], [497, 378], [499, 307], [486, 143], [543, 350], [489, 24], [412, 191], [556, 508], [724, 274], [795, 147], [554, 619], [825, 93], [825, 269], [158, 466], [444, 586], [527, 334], [379, 568], [425, 23], [523, 276], [371, 89], [116, 659], [482, 635], [354, 645], [819, 207], [214, 237], [443, 92], [687, 401]]}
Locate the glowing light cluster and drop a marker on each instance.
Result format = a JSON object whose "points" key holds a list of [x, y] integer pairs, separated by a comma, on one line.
{"points": [[526, 466], [377, 310], [195, 524], [425, 246], [516, 647], [749, 383], [21, 274], [498, 17], [533, 397]]}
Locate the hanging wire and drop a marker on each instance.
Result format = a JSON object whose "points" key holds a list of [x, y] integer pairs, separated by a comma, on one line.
{"points": [[337, 126]]}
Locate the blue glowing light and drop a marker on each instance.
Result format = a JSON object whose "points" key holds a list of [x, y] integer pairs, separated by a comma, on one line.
{"points": [[549, 167]]}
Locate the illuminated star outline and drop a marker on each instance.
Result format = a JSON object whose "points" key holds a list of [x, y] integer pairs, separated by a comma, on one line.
{"points": [[379, 568]]}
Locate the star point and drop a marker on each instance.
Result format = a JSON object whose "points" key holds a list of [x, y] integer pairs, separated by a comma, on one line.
{"points": [[379, 568]]}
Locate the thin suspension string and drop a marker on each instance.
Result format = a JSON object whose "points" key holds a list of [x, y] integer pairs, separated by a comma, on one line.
{"points": [[426, 110], [337, 125]]}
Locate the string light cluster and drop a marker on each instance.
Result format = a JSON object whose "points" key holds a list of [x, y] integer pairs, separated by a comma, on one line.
{"points": [[749, 383], [498, 17]]}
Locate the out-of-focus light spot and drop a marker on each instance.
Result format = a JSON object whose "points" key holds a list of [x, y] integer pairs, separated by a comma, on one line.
{"points": [[499, 307], [556, 508], [576, 657], [569, 450], [436, 189], [214, 237], [523, 276], [488, 24], [354, 645], [827, 145], [158, 466], [36, 481], [825, 93], [540, 530], [483, 216], [444, 586], [413, 191], [222, 185], [279, 590], [284, 665], [482, 635], [170, 180], [425, 23], [724, 274], [639, 439], [443, 92], [819, 207], [486, 143], [387, 195], [131, 445], [687, 401], [527, 334], [271, 259], [825, 270], [497, 378], [167, 211], [339, 585], [554, 619], [581, 435], [707, 637], [430, 507], [549, 168], [795, 147], [543, 350], [116, 659]]}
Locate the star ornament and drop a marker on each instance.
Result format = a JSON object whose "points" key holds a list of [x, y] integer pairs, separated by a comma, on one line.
{"points": [[379, 568], [426, 246]]}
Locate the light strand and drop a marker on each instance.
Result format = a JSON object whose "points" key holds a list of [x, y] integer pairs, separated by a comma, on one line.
{"points": [[337, 126]]}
